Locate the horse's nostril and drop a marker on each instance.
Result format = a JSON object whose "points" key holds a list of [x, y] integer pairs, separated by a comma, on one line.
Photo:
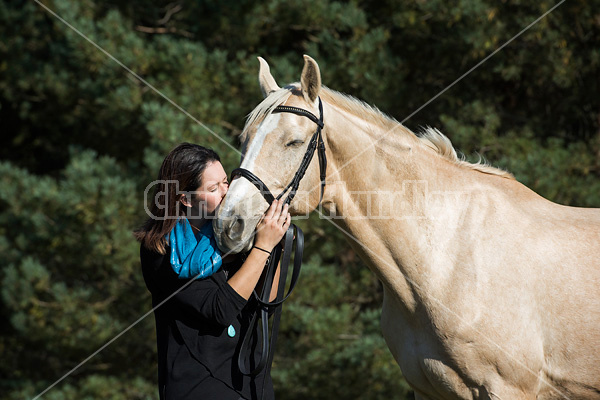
{"points": [[236, 228]]}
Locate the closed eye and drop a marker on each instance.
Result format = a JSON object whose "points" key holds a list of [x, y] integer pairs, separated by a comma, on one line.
{"points": [[295, 143]]}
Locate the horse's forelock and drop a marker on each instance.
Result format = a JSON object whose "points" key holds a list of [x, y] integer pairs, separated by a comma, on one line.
{"points": [[267, 106]]}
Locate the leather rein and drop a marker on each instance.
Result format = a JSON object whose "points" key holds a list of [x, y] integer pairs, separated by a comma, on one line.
{"points": [[266, 307]]}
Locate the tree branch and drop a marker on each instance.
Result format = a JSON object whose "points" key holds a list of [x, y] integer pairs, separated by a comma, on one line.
{"points": [[149, 29], [170, 11]]}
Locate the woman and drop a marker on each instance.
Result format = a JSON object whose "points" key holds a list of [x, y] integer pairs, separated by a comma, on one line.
{"points": [[201, 300]]}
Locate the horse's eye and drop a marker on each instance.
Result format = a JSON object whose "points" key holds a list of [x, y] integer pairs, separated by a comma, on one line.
{"points": [[295, 143]]}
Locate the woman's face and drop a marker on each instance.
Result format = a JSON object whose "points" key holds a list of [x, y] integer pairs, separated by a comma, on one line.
{"points": [[211, 192]]}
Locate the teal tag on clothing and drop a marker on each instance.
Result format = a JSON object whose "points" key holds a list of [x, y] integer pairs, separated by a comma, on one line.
{"points": [[231, 331]]}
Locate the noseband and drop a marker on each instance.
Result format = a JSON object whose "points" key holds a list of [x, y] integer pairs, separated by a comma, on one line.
{"points": [[316, 141], [265, 306]]}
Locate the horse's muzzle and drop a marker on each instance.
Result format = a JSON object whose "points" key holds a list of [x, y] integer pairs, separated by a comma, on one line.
{"points": [[231, 234]]}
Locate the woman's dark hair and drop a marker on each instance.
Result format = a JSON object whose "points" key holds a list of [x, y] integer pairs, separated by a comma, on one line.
{"points": [[180, 172]]}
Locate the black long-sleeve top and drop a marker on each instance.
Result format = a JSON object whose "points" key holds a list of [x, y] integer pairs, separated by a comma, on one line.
{"points": [[198, 333]]}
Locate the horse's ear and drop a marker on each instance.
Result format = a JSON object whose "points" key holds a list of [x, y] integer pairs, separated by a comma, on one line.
{"points": [[310, 80], [265, 79]]}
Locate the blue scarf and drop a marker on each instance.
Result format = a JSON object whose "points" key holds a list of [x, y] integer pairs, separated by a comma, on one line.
{"points": [[193, 256]]}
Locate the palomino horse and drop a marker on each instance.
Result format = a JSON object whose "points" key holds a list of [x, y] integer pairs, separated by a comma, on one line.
{"points": [[490, 291]]}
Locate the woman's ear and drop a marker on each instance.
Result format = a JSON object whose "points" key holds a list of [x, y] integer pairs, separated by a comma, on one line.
{"points": [[185, 201]]}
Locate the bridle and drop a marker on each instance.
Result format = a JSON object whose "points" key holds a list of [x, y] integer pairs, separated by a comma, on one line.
{"points": [[267, 307], [316, 141]]}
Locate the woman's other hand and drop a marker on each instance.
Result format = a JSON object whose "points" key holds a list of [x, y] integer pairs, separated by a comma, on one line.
{"points": [[272, 226]]}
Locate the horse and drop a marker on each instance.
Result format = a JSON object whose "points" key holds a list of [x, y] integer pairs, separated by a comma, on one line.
{"points": [[490, 290]]}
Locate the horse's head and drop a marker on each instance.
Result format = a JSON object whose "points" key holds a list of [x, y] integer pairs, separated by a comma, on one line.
{"points": [[275, 141]]}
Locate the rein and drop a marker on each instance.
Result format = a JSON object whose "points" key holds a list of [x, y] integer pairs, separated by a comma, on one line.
{"points": [[266, 307]]}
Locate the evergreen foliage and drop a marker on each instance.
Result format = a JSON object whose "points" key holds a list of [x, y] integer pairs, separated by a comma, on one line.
{"points": [[83, 138]]}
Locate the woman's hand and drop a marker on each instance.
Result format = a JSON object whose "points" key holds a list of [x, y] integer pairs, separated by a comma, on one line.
{"points": [[272, 226], [269, 231]]}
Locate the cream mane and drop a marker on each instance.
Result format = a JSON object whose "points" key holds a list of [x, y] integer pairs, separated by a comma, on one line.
{"points": [[439, 142], [430, 137]]}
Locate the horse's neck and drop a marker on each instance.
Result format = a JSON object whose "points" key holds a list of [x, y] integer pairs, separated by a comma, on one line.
{"points": [[395, 200]]}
